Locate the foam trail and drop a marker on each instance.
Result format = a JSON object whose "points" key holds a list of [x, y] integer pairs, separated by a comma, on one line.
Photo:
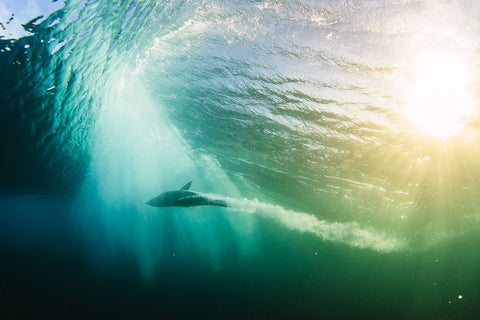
{"points": [[350, 233]]}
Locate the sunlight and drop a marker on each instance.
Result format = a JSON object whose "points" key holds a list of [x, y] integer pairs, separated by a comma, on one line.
{"points": [[440, 100]]}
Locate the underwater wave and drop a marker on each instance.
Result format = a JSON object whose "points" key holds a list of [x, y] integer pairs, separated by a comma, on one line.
{"points": [[300, 105]]}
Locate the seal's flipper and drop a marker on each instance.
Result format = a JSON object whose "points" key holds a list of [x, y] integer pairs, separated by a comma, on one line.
{"points": [[187, 186]]}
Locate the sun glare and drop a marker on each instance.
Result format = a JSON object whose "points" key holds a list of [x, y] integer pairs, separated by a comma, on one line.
{"points": [[440, 100]]}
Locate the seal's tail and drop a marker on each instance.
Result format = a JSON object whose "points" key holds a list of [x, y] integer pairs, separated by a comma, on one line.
{"points": [[217, 202]]}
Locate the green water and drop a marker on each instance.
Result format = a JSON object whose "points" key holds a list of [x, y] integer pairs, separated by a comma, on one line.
{"points": [[342, 134]]}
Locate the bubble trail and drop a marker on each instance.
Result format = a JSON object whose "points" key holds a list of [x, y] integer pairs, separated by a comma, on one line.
{"points": [[350, 233]]}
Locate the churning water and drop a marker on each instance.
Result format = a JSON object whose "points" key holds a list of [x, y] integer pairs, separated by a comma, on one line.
{"points": [[344, 136]]}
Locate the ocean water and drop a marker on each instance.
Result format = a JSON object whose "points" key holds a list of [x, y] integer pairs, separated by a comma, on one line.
{"points": [[343, 135]]}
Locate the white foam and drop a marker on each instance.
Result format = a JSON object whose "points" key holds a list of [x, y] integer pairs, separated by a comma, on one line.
{"points": [[350, 233]]}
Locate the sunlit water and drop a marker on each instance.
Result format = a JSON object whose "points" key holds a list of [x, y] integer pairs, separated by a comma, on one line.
{"points": [[344, 126]]}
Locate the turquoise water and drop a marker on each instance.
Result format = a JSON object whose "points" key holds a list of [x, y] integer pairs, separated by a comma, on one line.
{"points": [[327, 126]]}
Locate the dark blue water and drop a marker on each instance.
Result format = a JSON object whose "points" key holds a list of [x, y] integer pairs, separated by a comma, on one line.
{"points": [[343, 135]]}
